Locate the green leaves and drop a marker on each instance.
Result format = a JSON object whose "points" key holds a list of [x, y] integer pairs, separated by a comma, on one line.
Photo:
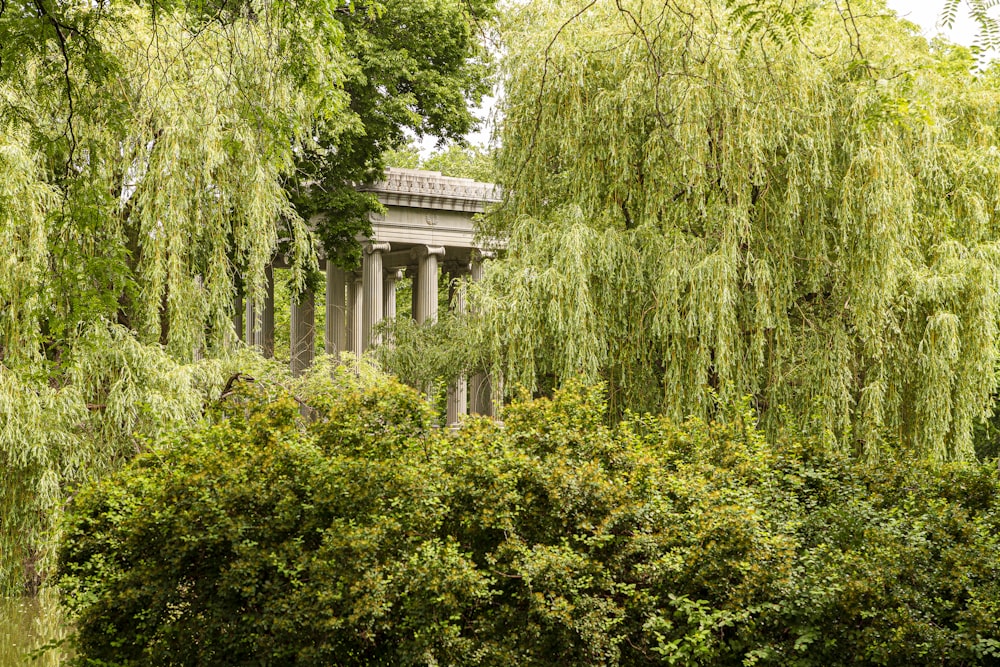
{"points": [[162, 134], [25, 199], [359, 536], [149, 163], [723, 199], [414, 66]]}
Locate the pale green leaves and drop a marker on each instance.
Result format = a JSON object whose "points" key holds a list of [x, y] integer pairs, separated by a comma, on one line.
{"points": [[24, 200], [699, 217]]}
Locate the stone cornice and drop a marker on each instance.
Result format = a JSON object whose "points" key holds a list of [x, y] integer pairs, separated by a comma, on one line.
{"points": [[415, 188]]}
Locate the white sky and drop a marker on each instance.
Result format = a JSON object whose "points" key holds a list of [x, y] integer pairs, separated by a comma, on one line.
{"points": [[927, 13]]}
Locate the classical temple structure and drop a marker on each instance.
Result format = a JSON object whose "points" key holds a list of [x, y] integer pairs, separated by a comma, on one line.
{"points": [[427, 228]]}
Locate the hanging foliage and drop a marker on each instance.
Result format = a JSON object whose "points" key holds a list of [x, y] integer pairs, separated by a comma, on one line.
{"points": [[142, 149], [712, 200], [147, 155], [24, 200]]}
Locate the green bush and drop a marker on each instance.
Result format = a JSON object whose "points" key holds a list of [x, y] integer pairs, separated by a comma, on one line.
{"points": [[362, 535]]}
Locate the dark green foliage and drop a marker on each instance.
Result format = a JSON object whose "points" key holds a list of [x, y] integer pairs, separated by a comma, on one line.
{"points": [[986, 437], [416, 65], [364, 536]]}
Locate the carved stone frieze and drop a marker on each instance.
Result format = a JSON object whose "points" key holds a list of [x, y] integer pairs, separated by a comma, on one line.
{"points": [[415, 188]]}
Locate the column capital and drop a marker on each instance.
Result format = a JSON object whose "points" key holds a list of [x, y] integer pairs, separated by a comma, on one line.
{"points": [[481, 254], [395, 274], [457, 268], [373, 247], [428, 250]]}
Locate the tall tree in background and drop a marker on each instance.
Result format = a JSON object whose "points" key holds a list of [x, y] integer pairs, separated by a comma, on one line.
{"points": [[714, 200], [417, 66]]}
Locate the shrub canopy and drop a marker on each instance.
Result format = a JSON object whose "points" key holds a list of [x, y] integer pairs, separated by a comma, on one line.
{"points": [[364, 536]]}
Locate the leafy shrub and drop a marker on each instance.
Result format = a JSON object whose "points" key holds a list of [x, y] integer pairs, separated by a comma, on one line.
{"points": [[364, 536]]}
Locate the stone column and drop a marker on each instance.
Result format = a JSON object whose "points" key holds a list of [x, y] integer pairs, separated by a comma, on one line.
{"points": [[251, 324], [372, 274], [355, 308], [267, 321], [335, 335], [481, 395], [481, 401], [427, 279], [389, 293], [303, 333], [477, 268], [411, 272], [458, 392], [259, 323], [238, 315]]}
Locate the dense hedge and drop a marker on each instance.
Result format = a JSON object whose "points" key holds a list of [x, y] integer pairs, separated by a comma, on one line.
{"points": [[365, 536]]}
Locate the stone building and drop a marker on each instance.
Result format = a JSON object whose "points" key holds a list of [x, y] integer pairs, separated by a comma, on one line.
{"points": [[427, 228]]}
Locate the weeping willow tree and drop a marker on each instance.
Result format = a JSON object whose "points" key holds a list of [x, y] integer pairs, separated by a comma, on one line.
{"points": [[142, 152], [154, 156], [712, 200]]}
